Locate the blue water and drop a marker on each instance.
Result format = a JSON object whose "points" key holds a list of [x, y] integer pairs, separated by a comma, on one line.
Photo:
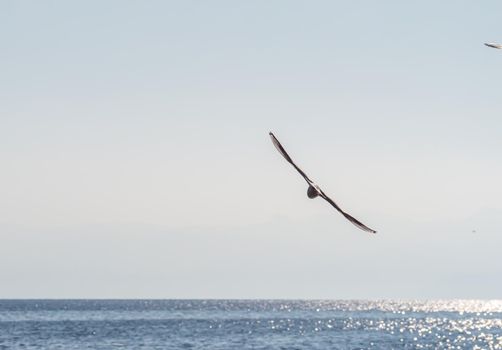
{"points": [[246, 324]]}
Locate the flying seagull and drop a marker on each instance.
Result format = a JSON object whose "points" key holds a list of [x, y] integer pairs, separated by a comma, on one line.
{"points": [[495, 46], [314, 190]]}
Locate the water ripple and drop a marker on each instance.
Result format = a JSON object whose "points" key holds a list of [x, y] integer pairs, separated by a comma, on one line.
{"points": [[259, 324]]}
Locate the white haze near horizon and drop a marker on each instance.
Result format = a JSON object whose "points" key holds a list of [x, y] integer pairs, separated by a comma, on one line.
{"points": [[136, 161]]}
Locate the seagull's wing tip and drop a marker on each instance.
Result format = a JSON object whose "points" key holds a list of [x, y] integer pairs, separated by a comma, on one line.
{"points": [[367, 229]]}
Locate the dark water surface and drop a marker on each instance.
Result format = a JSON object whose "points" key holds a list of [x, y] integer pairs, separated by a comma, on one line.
{"points": [[250, 324]]}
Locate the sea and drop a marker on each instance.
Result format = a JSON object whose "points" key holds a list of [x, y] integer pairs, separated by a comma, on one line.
{"points": [[250, 324]]}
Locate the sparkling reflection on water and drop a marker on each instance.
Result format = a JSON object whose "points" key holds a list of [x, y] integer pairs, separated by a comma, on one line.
{"points": [[246, 324]]}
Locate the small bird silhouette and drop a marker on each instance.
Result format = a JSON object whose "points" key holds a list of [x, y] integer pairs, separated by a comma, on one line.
{"points": [[495, 46]]}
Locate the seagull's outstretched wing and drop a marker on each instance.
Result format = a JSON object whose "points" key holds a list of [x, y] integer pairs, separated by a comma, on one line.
{"points": [[347, 216], [495, 46], [282, 151]]}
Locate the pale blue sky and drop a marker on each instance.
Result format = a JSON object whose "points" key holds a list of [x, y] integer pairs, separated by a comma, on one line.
{"points": [[136, 160]]}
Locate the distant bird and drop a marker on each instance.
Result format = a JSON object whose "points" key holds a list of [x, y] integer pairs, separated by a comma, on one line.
{"points": [[314, 190], [495, 46]]}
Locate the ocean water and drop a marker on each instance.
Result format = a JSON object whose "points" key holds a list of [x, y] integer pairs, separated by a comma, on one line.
{"points": [[250, 324]]}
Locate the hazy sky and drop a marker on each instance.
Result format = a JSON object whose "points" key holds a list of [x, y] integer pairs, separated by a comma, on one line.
{"points": [[136, 162]]}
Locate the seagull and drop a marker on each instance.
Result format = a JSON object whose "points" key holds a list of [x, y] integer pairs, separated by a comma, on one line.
{"points": [[495, 46], [313, 190]]}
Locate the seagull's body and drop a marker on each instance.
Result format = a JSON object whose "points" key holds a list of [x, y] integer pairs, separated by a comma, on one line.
{"points": [[495, 46], [313, 190]]}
